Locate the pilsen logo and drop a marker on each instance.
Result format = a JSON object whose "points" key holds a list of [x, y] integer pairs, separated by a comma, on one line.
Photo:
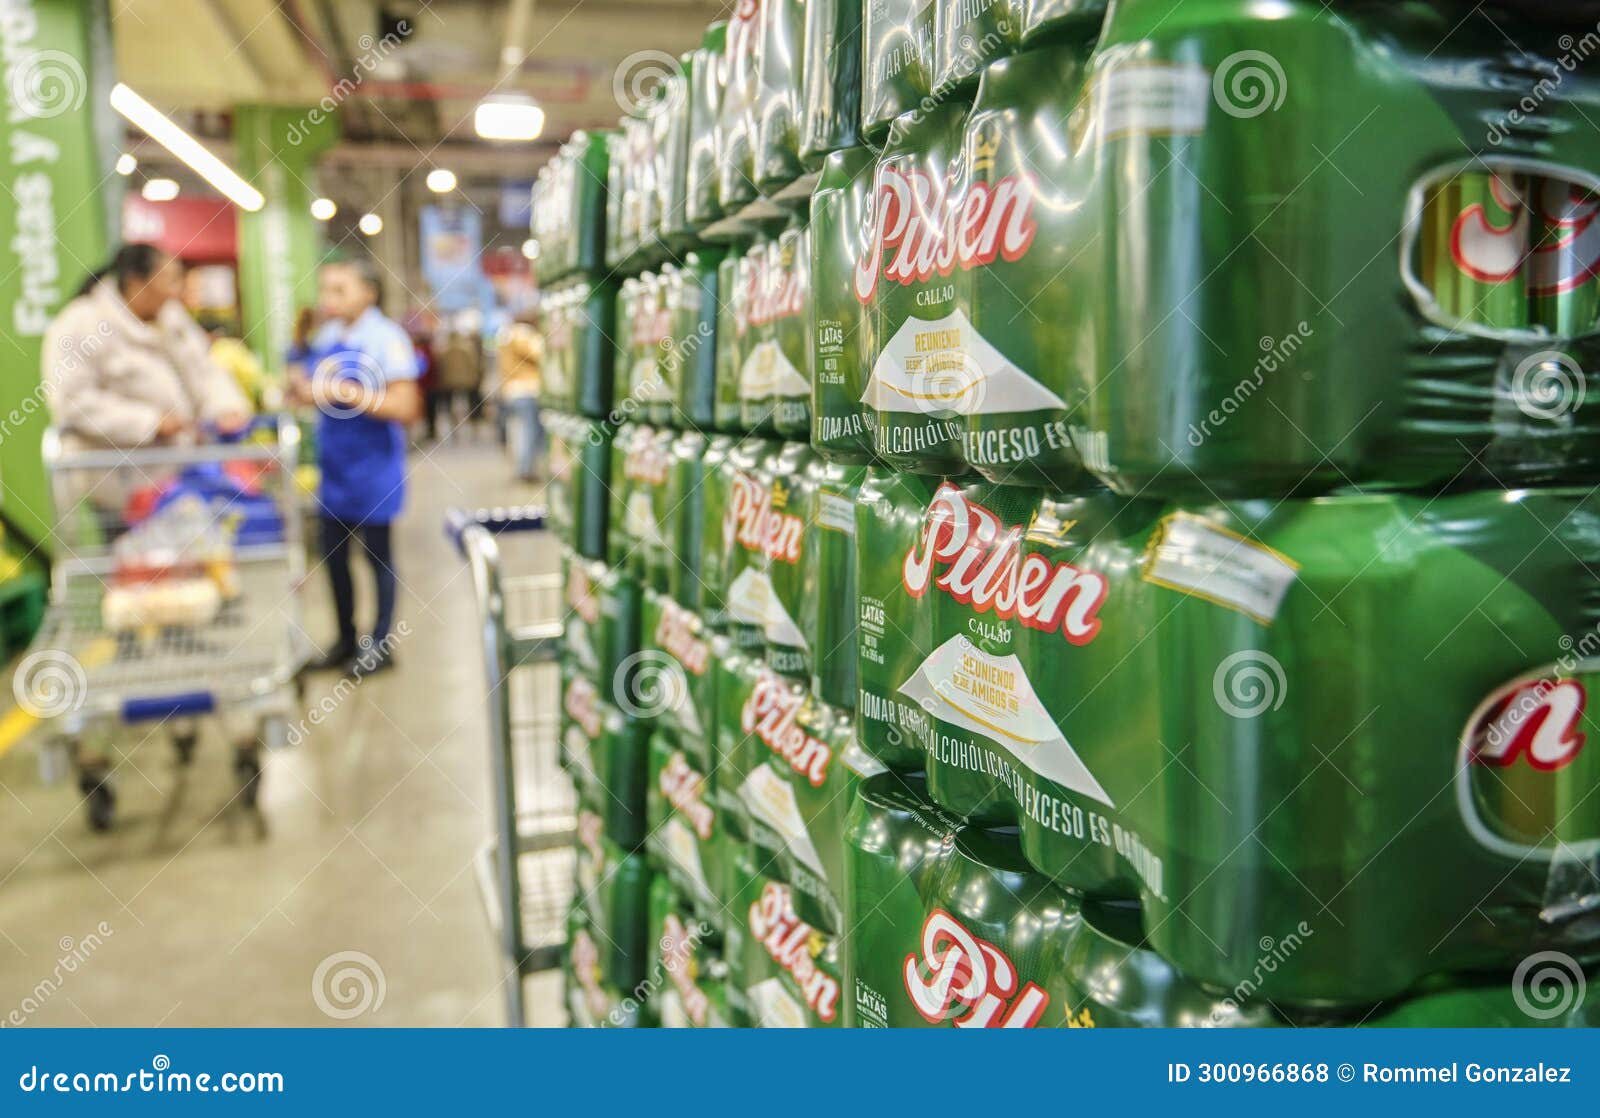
{"points": [[934, 232], [777, 286], [590, 830], [647, 460], [985, 569], [586, 966], [1494, 248], [580, 594], [650, 319], [677, 955], [794, 945], [685, 790], [582, 704], [969, 981], [675, 633], [760, 527], [1529, 720], [771, 713]]}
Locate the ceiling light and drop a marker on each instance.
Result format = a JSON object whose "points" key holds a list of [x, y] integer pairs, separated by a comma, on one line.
{"points": [[160, 128], [126, 164], [530, 249], [370, 224], [159, 190], [508, 117], [441, 180], [323, 209]]}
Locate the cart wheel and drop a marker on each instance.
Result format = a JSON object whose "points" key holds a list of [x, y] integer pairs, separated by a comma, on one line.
{"points": [[183, 745], [100, 798], [247, 768]]}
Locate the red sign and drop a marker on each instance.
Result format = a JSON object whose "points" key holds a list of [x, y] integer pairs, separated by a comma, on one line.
{"points": [[197, 230]]}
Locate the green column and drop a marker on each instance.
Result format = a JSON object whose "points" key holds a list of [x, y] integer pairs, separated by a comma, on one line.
{"points": [[55, 72], [280, 245]]}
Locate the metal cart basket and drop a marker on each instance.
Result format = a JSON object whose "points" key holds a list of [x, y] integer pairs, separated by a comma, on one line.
{"points": [[525, 871], [209, 625]]}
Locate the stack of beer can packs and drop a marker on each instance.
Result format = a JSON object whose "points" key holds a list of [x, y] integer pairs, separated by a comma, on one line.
{"points": [[1082, 514]]}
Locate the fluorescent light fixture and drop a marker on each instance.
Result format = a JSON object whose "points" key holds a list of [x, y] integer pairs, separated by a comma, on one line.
{"points": [[126, 164], [508, 117], [159, 190], [160, 128], [530, 249], [323, 209], [441, 180], [370, 224]]}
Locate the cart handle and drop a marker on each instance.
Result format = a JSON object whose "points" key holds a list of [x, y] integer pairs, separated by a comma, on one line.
{"points": [[522, 518]]}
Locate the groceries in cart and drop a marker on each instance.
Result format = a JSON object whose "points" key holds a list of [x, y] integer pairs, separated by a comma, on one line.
{"points": [[175, 565]]}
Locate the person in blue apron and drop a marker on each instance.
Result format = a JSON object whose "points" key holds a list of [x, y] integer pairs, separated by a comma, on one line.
{"points": [[364, 384]]}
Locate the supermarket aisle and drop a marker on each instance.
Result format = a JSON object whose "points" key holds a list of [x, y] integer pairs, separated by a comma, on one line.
{"points": [[372, 824]]}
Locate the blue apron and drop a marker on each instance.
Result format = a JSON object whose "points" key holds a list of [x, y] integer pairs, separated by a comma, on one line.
{"points": [[363, 460]]}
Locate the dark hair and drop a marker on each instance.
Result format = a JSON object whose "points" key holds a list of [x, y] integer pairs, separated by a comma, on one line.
{"points": [[366, 270], [131, 262]]}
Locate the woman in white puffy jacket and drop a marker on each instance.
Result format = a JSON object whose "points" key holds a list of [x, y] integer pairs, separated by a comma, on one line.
{"points": [[126, 366]]}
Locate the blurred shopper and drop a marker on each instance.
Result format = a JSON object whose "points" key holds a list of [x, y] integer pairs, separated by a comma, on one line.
{"points": [[364, 382], [126, 366], [520, 361], [458, 375]]}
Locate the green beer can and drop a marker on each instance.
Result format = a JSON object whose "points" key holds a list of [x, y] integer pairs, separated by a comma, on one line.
{"points": [[1042, 18], [1457, 740], [591, 1004], [613, 888], [716, 486], [1564, 267], [681, 686], [580, 593], [842, 342], [896, 61], [607, 754], [692, 310], [617, 645], [685, 504], [894, 631], [791, 973], [732, 337], [787, 542], [967, 36], [736, 120], [832, 606], [1018, 350], [781, 61], [804, 767], [685, 837], [687, 986], [831, 116], [921, 380], [589, 307], [707, 76], [748, 586]]}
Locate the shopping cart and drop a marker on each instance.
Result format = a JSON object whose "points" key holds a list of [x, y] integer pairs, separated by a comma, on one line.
{"points": [[155, 621], [525, 871]]}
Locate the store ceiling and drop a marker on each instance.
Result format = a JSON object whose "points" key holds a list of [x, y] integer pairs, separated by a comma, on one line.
{"points": [[415, 68]]}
